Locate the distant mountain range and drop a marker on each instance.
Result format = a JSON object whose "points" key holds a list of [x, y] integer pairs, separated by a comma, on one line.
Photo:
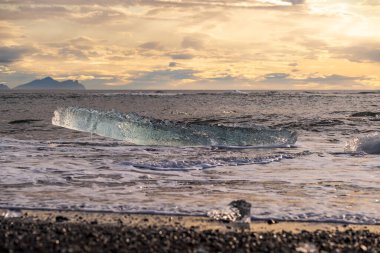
{"points": [[3, 87], [49, 83]]}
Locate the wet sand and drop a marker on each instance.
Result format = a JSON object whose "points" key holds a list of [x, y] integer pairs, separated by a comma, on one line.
{"points": [[67, 231]]}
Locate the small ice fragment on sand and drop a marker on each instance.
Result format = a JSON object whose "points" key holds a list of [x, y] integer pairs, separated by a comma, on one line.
{"points": [[10, 213], [226, 215], [369, 144], [244, 209], [237, 211]]}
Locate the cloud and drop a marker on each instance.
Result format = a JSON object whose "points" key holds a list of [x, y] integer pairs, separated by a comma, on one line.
{"points": [[98, 82], [226, 43], [295, 2], [84, 14], [193, 42], [275, 77], [68, 52], [82, 42], [159, 79], [366, 52], [4, 69], [331, 80], [8, 30], [152, 45], [222, 3], [13, 78], [223, 82], [244, 4], [370, 2], [212, 18], [12, 54], [95, 14], [334, 79], [33, 12], [81, 48], [183, 56], [184, 79]]}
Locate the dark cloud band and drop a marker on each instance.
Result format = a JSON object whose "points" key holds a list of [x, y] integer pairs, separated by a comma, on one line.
{"points": [[12, 54]]}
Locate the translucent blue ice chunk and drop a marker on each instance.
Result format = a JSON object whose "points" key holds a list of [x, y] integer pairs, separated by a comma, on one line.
{"points": [[141, 130]]}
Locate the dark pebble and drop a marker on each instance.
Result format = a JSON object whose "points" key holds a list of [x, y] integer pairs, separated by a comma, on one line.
{"points": [[61, 219], [270, 222]]}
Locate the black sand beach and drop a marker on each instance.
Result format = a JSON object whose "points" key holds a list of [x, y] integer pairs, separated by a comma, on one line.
{"points": [[50, 231]]}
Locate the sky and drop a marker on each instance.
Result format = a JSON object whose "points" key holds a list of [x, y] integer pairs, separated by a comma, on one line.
{"points": [[193, 44]]}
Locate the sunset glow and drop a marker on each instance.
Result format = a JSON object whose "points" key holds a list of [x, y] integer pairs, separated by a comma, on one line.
{"points": [[191, 44]]}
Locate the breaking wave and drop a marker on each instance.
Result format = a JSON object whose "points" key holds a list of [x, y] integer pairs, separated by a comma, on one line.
{"points": [[141, 130]]}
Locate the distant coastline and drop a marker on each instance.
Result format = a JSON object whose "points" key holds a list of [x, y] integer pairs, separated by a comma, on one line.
{"points": [[4, 87], [49, 83]]}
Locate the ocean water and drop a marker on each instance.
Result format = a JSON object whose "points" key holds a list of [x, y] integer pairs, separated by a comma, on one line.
{"points": [[331, 173]]}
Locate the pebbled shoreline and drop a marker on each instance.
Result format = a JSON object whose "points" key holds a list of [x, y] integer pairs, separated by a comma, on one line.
{"points": [[66, 231]]}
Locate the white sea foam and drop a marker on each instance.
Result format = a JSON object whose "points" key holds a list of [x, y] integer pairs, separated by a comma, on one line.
{"points": [[196, 164], [108, 175]]}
